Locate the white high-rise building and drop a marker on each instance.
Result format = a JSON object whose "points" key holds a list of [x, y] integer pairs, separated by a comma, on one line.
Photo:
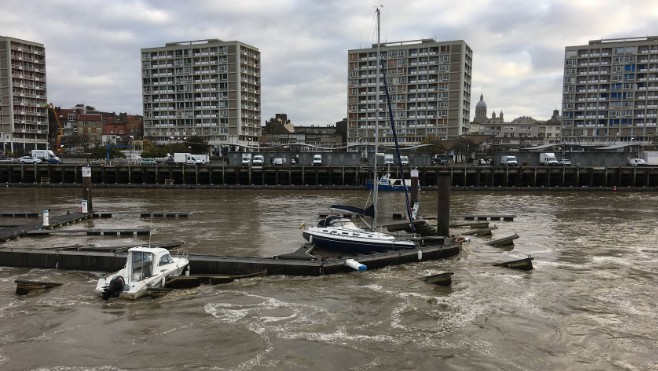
{"points": [[610, 92], [430, 87], [207, 88], [23, 99]]}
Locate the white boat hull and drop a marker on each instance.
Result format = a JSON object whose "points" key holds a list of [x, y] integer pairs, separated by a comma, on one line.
{"points": [[354, 240]]}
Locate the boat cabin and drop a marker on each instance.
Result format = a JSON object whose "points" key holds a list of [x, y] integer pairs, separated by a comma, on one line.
{"points": [[144, 262]]}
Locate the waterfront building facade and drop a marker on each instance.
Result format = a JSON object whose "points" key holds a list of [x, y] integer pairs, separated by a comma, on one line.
{"points": [[279, 132], [23, 98], [610, 93], [521, 132], [206, 88], [429, 83]]}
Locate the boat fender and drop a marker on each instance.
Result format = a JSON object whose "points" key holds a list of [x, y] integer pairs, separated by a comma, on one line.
{"points": [[356, 265], [114, 289], [420, 254], [460, 239]]}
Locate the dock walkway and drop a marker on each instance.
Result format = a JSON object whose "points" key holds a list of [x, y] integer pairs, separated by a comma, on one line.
{"points": [[13, 232], [108, 261]]}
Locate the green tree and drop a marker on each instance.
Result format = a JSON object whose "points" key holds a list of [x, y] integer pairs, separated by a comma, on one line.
{"points": [[100, 152], [153, 150]]}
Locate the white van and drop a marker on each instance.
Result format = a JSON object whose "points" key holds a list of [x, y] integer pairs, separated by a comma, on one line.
{"points": [[404, 160], [246, 159], [388, 159], [258, 160], [508, 160], [317, 160]]}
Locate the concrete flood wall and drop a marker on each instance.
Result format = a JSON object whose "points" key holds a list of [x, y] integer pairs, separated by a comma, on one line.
{"points": [[327, 176]]}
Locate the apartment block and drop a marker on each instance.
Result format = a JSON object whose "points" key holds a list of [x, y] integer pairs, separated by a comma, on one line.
{"points": [[610, 92], [23, 99], [429, 83], [207, 88]]}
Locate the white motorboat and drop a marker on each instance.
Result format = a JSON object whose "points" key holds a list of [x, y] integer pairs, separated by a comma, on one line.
{"points": [[146, 268]]}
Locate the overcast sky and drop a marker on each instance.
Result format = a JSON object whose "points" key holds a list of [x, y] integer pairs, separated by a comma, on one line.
{"points": [[93, 46]]}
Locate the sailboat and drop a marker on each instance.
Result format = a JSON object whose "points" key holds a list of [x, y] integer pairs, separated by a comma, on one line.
{"points": [[341, 233]]}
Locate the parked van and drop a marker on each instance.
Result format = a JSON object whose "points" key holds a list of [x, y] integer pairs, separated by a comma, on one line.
{"points": [[388, 159], [258, 160], [637, 162], [317, 160], [246, 159], [508, 160], [278, 161], [404, 160]]}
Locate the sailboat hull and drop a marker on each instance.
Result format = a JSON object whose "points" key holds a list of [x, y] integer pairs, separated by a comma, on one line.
{"points": [[347, 241]]}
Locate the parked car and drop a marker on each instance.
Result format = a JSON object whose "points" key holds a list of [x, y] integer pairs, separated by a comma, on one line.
{"points": [[564, 162], [7, 160], [147, 161], [440, 159], [29, 160], [637, 162]]}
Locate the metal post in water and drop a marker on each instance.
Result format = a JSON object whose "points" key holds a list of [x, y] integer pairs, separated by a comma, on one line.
{"points": [[414, 186], [443, 205], [46, 218], [86, 188]]}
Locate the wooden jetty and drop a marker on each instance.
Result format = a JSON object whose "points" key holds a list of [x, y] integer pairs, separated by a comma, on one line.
{"points": [[505, 241], [159, 214], [23, 287], [20, 214], [469, 224], [10, 233], [479, 232], [299, 263], [508, 218], [93, 232], [185, 282], [521, 264], [441, 279]]}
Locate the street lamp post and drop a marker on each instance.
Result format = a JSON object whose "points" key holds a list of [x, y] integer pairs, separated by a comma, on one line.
{"points": [[132, 147]]}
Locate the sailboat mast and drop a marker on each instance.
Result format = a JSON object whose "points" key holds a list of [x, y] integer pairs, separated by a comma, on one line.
{"points": [[375, 178]]}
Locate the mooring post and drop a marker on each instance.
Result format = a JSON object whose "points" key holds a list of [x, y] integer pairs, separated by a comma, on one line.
{"points": [[414, 186], [443, 205], [46, 218], [86, 188]]}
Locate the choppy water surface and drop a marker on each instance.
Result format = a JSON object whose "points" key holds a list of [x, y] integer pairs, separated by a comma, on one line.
{"points": [[589, 304]]}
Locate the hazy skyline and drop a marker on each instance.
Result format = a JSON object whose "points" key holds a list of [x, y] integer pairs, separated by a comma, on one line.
{"points": [[93, 47]]}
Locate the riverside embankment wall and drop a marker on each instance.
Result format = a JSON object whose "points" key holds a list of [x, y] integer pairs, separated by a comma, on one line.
{"points": [[328, 176]]}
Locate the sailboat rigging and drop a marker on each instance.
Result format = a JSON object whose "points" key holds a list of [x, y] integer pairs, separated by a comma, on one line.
{"points": [[340, 233]]}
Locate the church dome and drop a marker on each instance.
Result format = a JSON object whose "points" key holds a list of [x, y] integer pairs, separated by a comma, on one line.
{"points": [[481, 103]]}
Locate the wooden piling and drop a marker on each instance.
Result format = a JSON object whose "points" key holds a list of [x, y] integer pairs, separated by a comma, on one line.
{"points": [[443, 205]]}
